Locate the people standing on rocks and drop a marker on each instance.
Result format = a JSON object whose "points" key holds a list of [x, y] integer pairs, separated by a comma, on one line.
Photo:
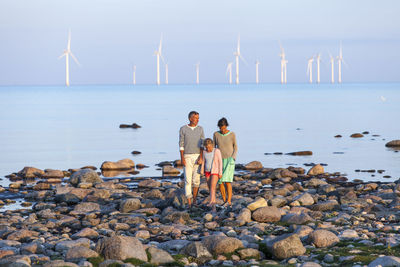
{"points": [[211, 168], [191, 150], [225, 140]]}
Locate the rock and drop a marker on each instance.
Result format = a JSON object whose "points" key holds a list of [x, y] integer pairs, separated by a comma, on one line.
{"points": [[348, 234], [310, 264], [300, 153], [84, 208], [159, 256], [286, 246], [221, 244], [135, 152], [85, 176], [86, 233], [278, 201], [249, 253], [314, 182], [323, 238], [356, 135], [143, 234], [393, 143], [385, 261], [244, 216], [305, 199], [133, 125], [22, 235], [129, 205], [170, 171], [121, 248], [267, 214], [254, 165], [326, 205], [66, 245], [32, 248], [316, 170], [59, 263], [15, 261], [49, 173], [181, 217], [30, 172], [259, 203], [174, 245], [78, 253], [198, 251], [149, 183], [295, 218], [123, 164]]}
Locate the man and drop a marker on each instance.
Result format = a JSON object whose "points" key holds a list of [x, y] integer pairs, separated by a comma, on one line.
{"points": [[190, 145]]}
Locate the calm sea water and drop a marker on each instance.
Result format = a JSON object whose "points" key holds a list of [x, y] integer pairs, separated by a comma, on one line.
{"points": [[61, 128]]}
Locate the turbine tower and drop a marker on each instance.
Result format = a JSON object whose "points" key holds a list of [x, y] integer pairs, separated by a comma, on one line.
{"points": [[166, 73], [257, 63], [332, 60], [197, 72], [340, 60], [159, 55], [67, 52], [283, 65], [309, 67], [134, 74], [238, 55], [229, 72], [318, 57]]}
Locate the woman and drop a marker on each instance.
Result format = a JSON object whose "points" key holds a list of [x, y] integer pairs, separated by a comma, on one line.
{"points": [[225, 141]]}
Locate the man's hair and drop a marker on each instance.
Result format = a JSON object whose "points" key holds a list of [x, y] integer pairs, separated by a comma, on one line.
{"points": [[208, 141], [191, 113], [223, 122]]}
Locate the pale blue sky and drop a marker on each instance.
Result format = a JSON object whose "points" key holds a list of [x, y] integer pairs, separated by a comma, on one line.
{"points": [[108, 37]]}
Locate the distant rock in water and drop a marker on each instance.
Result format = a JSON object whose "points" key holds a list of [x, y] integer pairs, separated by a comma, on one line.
{"points": [[300, 153], [133, 125], [365, 132], [254, 165], [338, 136], [124, 164], [356, 135], [169, 170], [30, 172], [135, 152], [393, 143]]}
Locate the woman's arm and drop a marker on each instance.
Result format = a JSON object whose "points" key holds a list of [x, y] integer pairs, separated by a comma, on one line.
{"points": [[235, 148]]}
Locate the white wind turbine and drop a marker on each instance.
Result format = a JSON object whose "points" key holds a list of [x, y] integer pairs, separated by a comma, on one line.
{"points": [[318, 57], [309, 67], [229, 72], [67, 53], [257, 63], [197, 72], [134, 74], [166, 73], [238, 55], [283, 65], [159, 54], [340, 60], [332, 61]]}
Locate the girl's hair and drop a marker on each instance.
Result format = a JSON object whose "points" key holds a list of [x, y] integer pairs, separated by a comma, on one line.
{"points": [[208, 141], [223, 122]]}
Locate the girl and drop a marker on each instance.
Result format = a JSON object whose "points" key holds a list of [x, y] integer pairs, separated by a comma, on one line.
{"points": [[225, 140], [211, 168]]}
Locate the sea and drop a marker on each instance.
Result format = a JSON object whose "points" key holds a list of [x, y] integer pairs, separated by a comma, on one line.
{"points": [[58, 127]]}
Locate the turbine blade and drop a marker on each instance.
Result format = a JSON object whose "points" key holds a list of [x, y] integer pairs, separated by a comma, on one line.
{"points": [[63, 55], [162, 58], [69, 39], [74, 58], [245, 62], [160, 46]]}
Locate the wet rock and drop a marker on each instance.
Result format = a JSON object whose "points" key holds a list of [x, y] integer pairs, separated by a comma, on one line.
{"points": [[267, 214], [286, 246], [30, 172], [130, 204], [338, 136], [393, 143], [135, 152], [159, 256], [123, 164], [133, 125], [323, 238], [121, 248], [300, 153], [85, 176], [316, 170], [198, 251], [254, 165], [221, 244], [170, 171], [385, 261], [259, 203], [78, 253], [356, 135]]}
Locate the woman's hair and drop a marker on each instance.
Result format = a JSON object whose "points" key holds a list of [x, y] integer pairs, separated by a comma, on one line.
{"points": [[208, 141], [223, 122]]}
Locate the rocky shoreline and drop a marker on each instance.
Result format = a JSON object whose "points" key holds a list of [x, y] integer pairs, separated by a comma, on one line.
{"points": [[280, 217]]}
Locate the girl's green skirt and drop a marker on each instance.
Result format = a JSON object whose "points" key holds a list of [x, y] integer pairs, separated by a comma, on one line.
{"points": [[228, 170]]}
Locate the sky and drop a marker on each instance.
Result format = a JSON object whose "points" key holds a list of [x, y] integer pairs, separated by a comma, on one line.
{"points": [[109, 37]]}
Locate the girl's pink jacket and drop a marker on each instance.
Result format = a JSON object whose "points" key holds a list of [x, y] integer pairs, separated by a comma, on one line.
{"points": [[216, 167]]}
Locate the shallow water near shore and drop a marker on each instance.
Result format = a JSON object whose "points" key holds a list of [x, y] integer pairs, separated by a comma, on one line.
{"points": [[69, 127]]}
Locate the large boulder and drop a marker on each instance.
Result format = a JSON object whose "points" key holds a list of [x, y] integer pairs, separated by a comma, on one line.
{"points": [[123, 164], [286, 246], [198, 251], [85, 176], [316, 170], [254, 165], [393, 143], [159, 256], [385, 261], [121, 248], [30, 172], [221, 244], [129, 205], [267, 214], [323, 238], [259, 203]]}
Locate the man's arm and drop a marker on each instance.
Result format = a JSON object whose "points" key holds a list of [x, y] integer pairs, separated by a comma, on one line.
{"points": [[181, 146], [200, 160]]}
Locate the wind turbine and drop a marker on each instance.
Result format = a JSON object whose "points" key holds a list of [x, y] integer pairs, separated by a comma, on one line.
{"points": [[340, 60], [332, 61], [238, 55], [166, 73], [283, 65], [67, 53], [318, 57], [197, 72], [159, 54], [257, 63], [134, 74], [229, 72], [309, 67]]}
